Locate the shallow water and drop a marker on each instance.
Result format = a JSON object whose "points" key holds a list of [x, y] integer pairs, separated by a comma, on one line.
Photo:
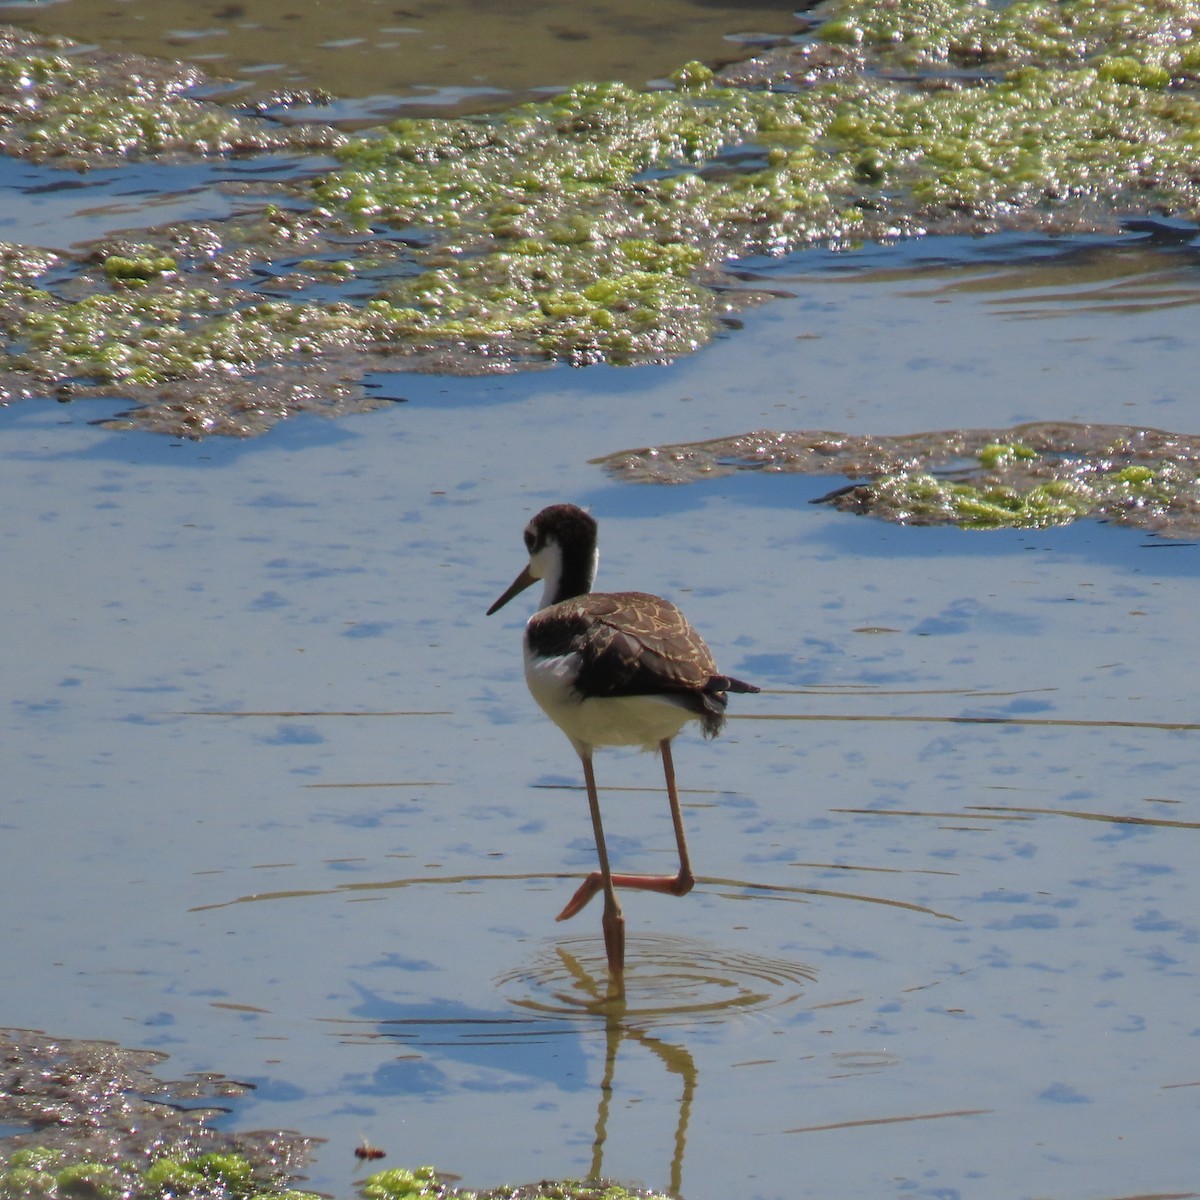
{"points": [[58, 208], [278, 803]]}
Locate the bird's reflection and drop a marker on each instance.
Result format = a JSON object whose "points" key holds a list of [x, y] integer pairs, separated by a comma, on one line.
{"points": [[565, 1003], [669, 981], [675, 1059]]}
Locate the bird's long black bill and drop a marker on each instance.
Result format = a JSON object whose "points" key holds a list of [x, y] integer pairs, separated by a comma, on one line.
{"points": [[518, 585]]}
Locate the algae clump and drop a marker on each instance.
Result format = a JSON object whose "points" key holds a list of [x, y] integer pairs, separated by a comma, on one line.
{"points": [[399, 1183], [39, 1171], [139, 269], [1030, 476]]}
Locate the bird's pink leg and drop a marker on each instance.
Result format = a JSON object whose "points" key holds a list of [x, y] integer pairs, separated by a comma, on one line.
{"points": [[672, 885], [683, 881], [613, 920]]}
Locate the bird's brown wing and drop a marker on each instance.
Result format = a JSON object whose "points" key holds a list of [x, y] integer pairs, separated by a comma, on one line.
{"points": [[634, 644]]}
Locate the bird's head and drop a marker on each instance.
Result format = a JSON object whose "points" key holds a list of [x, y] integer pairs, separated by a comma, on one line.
{"points": [[562, 545]]}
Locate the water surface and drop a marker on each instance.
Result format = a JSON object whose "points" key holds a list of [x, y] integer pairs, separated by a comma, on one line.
{"points": [[277, 802], [280, 805], [381, 60]]}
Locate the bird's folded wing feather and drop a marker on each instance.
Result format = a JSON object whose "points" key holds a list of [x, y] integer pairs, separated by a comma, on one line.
{"points": [[628, 643]]}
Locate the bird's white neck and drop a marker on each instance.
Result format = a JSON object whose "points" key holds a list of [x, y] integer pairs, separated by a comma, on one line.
{"points": [[567, 575]]}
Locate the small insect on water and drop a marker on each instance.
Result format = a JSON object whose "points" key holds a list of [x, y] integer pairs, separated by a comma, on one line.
{"points": [[368, 1153]]}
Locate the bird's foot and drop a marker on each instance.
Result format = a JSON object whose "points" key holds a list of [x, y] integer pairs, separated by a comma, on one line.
{"points": [[587, 889], [669, 885]]}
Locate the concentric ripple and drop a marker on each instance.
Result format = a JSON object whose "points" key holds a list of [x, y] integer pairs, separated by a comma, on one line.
{"points": [[667, 978]]}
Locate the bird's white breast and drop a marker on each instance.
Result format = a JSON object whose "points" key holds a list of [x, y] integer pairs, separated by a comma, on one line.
{"points": [[600, 720]]}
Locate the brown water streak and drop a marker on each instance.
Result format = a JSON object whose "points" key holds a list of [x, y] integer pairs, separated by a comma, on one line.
{"points": [[961, 1112]]}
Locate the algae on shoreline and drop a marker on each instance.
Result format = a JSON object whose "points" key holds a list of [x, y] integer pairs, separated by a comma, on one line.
{"points": [[596, 226], [92, 1119]]}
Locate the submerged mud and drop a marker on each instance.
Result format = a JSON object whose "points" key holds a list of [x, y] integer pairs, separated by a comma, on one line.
{"points": [[1024, 477]]}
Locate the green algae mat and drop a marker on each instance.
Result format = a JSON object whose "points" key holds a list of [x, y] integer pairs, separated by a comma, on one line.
{"points": [[594, 227]]}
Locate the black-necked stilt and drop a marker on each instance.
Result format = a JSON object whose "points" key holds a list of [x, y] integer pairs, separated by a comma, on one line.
{"points": [[613, 669]]}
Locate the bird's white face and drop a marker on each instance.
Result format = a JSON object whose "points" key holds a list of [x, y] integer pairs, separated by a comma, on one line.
{"points": [[545, 562], [543, 558]]}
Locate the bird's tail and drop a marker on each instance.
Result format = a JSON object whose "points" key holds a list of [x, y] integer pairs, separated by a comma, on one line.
{"points": [[714, 698], [726, 683]]}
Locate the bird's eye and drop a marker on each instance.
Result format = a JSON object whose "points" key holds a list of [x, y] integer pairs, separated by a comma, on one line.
{"points": [[530, 540]]}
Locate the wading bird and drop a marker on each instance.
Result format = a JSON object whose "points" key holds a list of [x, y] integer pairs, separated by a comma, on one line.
{"points": [[613, 669]]}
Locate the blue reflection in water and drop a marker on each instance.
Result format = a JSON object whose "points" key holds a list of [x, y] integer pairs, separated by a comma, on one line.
{"points": [[513, 1051]]}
